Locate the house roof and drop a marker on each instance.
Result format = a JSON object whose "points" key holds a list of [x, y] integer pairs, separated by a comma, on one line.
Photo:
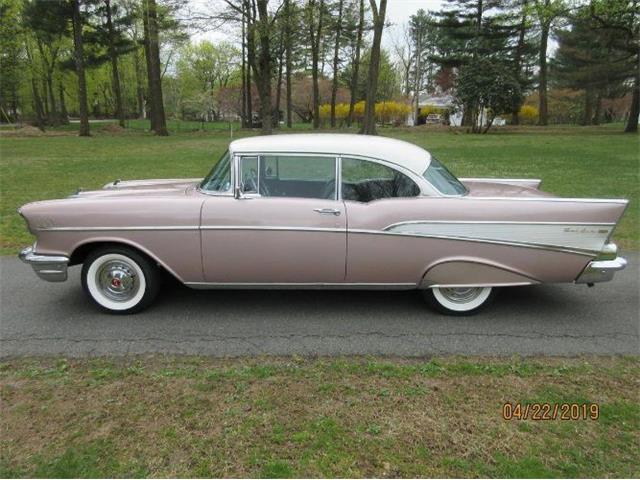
{"points": [[404, 154]]}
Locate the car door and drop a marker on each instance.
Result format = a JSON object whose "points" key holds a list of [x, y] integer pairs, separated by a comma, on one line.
{"points": [[377, 195], [285, 225]]}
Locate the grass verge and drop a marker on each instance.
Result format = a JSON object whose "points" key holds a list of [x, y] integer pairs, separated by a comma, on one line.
{"points": [[297, 417], [571, 161]]}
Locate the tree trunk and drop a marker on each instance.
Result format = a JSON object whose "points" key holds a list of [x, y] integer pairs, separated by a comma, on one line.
{"points": [[356, 65], [243, 72], [315, 33], [37, 101], [50, 101], [369, 123], [250, 16], [288, 42], [597, 110], [417, 79], [634, 109], [79, 61], [115, 77], [276, 115], [64, 115], [262, 65], [336, 51], [543, 115], [515, 117], [588, 106], [159, 123]]}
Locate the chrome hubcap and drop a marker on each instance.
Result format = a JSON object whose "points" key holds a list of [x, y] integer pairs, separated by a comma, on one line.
{"points": [[461, 295], [118, 281]]}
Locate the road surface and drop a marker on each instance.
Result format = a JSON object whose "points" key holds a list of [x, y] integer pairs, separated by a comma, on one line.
{"points": [[39, 318]]}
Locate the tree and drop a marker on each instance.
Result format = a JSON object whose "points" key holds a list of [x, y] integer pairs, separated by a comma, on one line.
{"points": [[288, 40], [488, 88], [423, 44], [11, 61], [48, 22], [356, 63], [547, 11], [79, 61], [314, 18], [152, 54], [368, 124], [336, 59], [622, 19]]}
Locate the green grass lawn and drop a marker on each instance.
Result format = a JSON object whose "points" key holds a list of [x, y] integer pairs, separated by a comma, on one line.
{"points": [[295, 417], [572, 161]]}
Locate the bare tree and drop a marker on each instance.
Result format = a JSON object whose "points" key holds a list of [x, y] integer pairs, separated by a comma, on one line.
{"points": [[113, 56], [336, 59], [78, 54], [356, 65], [288, 46], [315, 34], [152, 51], [369, 121]]}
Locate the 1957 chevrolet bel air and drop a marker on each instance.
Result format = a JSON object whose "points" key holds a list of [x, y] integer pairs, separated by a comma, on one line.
{"points": [[323, 211]]}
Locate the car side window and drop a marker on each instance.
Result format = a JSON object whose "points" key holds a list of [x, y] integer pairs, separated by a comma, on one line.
{"points": [[289, 176], [366, 181]]}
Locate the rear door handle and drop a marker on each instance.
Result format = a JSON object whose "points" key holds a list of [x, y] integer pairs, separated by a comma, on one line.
{"points": [[327, 211]]}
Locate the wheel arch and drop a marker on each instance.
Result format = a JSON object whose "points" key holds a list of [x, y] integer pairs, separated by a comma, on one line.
{"points": [[82, 250]]}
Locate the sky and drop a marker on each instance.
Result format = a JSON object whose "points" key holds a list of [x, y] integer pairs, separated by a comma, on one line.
{"points": [[398, 13]]}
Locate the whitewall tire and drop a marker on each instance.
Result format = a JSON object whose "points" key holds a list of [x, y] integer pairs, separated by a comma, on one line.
{"points": [[459, 301], [120, 280]]}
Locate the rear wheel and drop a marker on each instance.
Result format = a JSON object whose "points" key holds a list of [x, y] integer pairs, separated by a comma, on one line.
{"points": [[119, 280], [459, 301]]}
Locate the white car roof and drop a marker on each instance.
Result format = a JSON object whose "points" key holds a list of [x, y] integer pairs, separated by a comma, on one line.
{"points": [[405, 154]]}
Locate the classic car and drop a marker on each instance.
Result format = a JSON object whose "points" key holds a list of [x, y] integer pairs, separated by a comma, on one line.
{"points": [[323, 211]]}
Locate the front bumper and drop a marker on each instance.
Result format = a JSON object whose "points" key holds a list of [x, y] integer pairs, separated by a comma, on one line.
{"points": [[601, 270], [52, 268]]}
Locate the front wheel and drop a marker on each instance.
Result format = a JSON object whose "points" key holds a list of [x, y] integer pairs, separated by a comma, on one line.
{"points": [[120, 280], [459, 301]]}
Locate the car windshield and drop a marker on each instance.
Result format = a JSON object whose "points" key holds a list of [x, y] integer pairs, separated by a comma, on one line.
{"points": [[442, 179], [219, 180]]}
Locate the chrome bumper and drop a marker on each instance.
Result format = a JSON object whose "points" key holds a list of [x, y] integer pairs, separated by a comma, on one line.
{"points": [[601, 270], [52, 268]]}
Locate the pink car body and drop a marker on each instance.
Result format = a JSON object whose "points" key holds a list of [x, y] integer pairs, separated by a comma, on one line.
{"points": [[497, 232]]}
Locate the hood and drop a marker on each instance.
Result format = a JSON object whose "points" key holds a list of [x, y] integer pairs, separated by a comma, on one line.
{"points": [[483, 188], [154, 187]]}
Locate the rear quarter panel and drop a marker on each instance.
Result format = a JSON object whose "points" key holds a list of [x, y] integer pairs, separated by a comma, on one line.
{"points": [[519, 241]]}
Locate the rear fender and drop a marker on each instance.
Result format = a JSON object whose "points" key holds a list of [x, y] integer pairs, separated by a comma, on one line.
{"points": [[467, 272]]}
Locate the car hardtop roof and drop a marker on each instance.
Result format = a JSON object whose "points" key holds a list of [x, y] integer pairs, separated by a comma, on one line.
{"points": [[401, 153]]}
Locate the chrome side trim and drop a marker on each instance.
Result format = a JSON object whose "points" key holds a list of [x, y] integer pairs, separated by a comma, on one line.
{"points": [[303, 286], [621, 201], [587, 252], [469, 285], [498, 180], [277, 229], [498, 222], [106, 229], [52, 268]]}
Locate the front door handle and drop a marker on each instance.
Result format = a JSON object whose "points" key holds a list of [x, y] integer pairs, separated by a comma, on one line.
{"points": [[327, 211]]}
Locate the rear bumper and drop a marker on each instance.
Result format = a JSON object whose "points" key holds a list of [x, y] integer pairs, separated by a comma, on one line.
{"points": [[601, 270], [52, 268]]}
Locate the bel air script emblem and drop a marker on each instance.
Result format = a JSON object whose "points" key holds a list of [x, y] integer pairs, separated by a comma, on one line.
{"points": [[585, 230]]}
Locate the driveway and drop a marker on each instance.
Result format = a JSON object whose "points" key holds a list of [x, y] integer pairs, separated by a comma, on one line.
{"points": [[39, 318]]}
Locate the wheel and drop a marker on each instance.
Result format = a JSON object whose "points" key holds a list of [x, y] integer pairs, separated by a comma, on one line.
{"points": [[459, 301], [120, 280]]}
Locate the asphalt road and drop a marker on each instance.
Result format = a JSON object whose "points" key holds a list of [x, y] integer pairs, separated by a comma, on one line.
{"points": [[39, 318]]}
